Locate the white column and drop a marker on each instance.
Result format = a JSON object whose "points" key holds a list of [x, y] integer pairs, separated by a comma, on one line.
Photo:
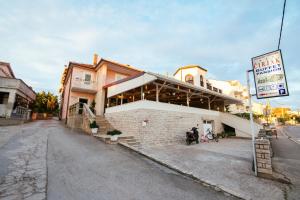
{"points": [[187, 100], [142, 93], [157, 94]]}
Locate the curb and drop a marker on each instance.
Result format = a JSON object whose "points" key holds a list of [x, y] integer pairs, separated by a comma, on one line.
{"points": [[289, 137], [226, 191]]}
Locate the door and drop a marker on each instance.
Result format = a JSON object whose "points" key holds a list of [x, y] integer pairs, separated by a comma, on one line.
{"points": [[207, 126], [81, 102]]}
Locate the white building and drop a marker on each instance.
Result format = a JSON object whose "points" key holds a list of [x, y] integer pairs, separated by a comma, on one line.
{"points": [[15, 94]]}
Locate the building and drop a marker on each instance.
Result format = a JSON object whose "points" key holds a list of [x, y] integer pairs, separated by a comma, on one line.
{"points": [[15, 94], [84, 82], [149, 106], [281, 112], [235, 89]]}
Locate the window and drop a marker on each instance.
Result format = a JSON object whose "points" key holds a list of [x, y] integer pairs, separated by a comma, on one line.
{"points": [[189, 79], [208, 86], [87, 79], [4, 97], [119, 77]]}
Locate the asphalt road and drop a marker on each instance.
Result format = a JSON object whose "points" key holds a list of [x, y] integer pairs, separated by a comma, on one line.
{"points": [[44, 159], [286, 158], [81, 167]]}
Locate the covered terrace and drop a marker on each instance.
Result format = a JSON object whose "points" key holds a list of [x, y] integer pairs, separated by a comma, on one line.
{"points": [[159, 88]]}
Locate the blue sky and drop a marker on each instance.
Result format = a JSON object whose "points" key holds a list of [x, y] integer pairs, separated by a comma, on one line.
{"points": [[39, 37]]}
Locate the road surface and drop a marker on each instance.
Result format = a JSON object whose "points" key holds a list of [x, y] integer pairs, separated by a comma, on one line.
{"points": [[70, 165], [286, 158]]}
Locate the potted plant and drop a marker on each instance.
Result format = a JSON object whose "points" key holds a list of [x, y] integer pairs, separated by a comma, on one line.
{"points": [[114, 135], [94, 127]]}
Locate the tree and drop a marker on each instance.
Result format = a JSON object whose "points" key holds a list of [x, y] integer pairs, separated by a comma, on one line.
{"points": [[45, 103]]}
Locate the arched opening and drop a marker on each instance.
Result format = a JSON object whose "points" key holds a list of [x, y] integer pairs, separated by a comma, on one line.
{"points": [[201, 81], [189, 79]]}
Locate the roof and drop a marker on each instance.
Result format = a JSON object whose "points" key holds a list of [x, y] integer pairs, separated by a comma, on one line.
{"points": [[190, 66], [116, 63], [82, 65], [9, 68], [94, 67], [194, 87], [176, 82]]}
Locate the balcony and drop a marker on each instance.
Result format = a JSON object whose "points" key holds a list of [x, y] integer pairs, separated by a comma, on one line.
{"points": [[84, 86], [18, 84]]}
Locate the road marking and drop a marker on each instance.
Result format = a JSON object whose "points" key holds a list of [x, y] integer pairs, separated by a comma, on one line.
{"points": [[296, 140]]}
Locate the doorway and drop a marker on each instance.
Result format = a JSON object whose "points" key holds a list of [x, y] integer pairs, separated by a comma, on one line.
{"points": [[208, 126], [81, 102]]}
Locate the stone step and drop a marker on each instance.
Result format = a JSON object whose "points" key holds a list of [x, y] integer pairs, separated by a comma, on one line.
{"points": [[133, 143], [126, 137], [130, 140]]}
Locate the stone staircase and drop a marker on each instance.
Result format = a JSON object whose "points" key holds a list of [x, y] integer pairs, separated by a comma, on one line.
{"points": [[130, 140], [104, 125]]}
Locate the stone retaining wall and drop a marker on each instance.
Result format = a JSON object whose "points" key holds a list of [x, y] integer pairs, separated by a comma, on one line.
{"points": [[79, 122], [263, 157], [159, 126]]}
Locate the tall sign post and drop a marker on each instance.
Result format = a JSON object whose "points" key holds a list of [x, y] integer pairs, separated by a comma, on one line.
{"points": [[251, 121], [270, 81]]}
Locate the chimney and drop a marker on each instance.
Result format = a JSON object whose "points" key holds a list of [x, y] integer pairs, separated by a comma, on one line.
{"points": [[95, 59]]}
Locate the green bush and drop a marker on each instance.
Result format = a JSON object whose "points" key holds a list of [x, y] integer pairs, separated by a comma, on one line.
{"points": [[114, 132], [94, 125], [230, 133]]}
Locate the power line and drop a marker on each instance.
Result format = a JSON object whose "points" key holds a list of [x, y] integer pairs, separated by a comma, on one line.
{"points": [[281, 24]]}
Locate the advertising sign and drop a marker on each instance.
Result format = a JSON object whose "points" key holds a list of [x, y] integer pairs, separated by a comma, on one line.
{"points": [[269, 75]]}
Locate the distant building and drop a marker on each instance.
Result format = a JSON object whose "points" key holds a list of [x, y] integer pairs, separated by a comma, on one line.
{"points": [[15, 94], [235, 89], [280, 112]]}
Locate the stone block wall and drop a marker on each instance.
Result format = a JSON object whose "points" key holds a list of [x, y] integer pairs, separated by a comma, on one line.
{"points": [[74, 121], [150, 126], [79, 122], [263, 157]]}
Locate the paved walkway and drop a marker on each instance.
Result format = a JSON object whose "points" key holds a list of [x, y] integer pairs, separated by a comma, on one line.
{"points": [[226, 165], [287, 159], [23, 161], [81, 167]]}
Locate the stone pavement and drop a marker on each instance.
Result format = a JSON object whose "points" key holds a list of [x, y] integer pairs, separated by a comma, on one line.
{"points": [[225, 165], [23, 168]]}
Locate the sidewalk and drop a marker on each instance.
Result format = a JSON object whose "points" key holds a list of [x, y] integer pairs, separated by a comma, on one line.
{"points": [[225, 166]]}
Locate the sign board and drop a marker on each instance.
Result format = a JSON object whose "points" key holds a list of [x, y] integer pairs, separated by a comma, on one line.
{"points": [[269, 75]]}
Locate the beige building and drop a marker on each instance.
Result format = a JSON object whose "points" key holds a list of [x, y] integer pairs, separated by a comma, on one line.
{"points": [[15, 94], [235, 89], [148, 106], [84, 82]]}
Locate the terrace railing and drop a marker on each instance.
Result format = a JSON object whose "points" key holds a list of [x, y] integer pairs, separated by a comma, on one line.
{"points": [[20, 112]]}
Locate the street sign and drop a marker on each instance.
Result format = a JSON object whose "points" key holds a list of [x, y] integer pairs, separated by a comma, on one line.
{"points": [[269, 75]]}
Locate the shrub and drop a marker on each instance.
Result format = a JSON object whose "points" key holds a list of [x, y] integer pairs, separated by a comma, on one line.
{"points": [[114, 132]]}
